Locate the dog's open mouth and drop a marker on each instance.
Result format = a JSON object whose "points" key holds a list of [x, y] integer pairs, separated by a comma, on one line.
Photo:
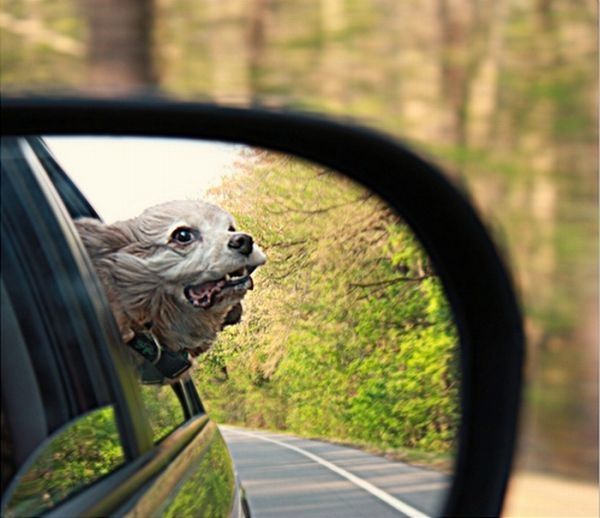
{"points": [[207, 294]]}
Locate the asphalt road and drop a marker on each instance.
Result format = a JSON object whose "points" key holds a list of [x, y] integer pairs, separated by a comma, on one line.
{"points": [[289, 476]]}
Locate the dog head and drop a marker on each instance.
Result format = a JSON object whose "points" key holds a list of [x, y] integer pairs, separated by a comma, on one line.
{"points": [[187, 255]]}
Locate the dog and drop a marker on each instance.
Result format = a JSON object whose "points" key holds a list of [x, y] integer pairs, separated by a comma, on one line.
{"points": [[179, 270]]}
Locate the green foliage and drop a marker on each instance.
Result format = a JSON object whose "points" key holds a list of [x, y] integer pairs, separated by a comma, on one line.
{"points": [[347, 334]]}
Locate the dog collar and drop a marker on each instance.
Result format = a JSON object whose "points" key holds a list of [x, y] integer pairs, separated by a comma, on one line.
{"points": [[160, 363]]}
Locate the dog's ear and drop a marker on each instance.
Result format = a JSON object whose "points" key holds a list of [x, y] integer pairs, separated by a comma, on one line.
{"points": [[234, 316], [101, 239]]}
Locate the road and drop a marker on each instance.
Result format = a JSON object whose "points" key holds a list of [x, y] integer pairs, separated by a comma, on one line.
{"points": [[289, 476]]}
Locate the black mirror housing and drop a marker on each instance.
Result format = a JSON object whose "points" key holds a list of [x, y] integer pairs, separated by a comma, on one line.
{"points": [[476, 281]]}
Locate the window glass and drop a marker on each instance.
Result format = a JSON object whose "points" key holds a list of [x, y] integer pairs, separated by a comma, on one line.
{"points": [[163, 408], [76, 456]]}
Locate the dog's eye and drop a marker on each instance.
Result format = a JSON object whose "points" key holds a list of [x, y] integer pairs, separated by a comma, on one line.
{"points": [[183, 235], [231, 228]]}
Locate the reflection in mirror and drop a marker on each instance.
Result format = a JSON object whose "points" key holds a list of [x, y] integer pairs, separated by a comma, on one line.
{"points": [[74, 457], [163, 409], [346, 338], [208, 492]]}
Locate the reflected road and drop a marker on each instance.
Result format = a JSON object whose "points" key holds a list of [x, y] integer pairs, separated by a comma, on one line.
{"points": [[288, 476]]}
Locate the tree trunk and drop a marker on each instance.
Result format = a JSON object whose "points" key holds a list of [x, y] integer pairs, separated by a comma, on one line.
{"points": [[256, 45], [120, 45]]}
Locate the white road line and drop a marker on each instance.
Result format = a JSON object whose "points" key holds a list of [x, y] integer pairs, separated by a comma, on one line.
{"points": [[363, 484]]}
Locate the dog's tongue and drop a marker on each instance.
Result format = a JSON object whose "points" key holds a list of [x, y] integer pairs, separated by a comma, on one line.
{"points": [[203, 295]]}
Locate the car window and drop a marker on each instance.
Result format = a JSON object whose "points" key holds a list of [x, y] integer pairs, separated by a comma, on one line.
{"points": [[61, 401], [70, 424], [71, 459], [163, 409]]}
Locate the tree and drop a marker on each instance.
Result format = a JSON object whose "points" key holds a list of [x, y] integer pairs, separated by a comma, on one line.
{"points": [[120, 45], [348, 333]]}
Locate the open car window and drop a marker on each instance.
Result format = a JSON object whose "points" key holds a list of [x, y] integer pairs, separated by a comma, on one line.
{"points": [[68, 421], [181, 401]]}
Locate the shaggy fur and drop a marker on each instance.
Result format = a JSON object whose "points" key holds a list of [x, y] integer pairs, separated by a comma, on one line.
{"points": [[167, 270]]}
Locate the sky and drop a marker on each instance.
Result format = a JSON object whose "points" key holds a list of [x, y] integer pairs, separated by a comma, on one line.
{"points": [[122, 176]]}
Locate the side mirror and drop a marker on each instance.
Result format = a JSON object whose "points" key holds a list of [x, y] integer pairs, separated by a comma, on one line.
{"points": [[476, 283]]}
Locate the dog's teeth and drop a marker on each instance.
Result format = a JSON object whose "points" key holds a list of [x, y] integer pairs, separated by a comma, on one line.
{"points": [[245, 272], [227, 277]]}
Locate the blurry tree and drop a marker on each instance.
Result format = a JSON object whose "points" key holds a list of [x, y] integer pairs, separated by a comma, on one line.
{"points": [[41, 45], [120, 45], [258, 20]]}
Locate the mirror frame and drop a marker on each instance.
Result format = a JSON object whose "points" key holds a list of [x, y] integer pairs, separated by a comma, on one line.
{"points": [[476, 282]]}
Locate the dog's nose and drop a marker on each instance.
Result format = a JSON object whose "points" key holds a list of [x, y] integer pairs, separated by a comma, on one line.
{"points": [[242, 243]]}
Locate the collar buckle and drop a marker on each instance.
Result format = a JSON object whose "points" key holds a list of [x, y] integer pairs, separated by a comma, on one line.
{"points": [[160, 362]]}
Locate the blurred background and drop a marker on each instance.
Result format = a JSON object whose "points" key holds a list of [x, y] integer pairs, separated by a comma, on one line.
{"points": [[502, 93]]}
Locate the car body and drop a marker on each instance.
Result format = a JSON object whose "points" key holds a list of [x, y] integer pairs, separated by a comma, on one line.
{"points": [[80, 434]]}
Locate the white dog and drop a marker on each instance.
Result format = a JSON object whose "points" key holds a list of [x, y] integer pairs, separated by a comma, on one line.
{"points": [[179, 270]]}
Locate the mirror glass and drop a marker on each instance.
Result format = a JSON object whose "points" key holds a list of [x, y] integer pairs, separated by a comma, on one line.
{"points": [[345, 352]]}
